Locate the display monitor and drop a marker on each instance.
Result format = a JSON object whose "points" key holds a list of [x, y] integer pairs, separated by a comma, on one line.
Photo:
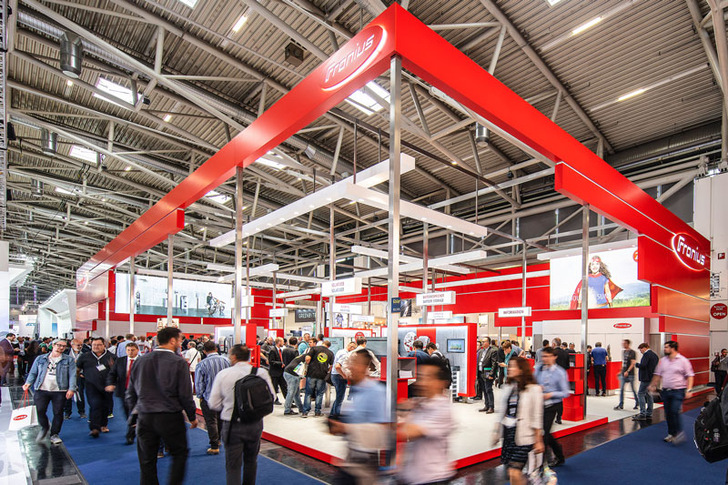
{"points": [[337, 343], [378, 345], [456, 345]]}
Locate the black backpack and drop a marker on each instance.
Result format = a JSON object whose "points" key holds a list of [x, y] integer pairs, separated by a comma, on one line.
{"points": [[253, 400], [711, 433]]}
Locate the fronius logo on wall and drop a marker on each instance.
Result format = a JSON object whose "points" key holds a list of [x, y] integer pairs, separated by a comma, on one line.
{"points": [[687, 250], [353, 59], [623, 325]]}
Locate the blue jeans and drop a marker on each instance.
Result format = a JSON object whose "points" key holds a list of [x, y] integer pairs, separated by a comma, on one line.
{"points": [[293, 392], [314, 385], [673, 400], [625, 380], [340, 386], [645, 399]]}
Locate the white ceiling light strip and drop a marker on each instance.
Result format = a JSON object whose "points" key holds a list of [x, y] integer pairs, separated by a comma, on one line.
{"points": [[366, 178], [205, 279]]}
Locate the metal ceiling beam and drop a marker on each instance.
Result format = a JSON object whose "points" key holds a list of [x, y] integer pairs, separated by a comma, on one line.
{"points": [[531, 53]]}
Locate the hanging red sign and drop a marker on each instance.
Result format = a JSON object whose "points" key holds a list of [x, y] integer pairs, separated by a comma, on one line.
{"points": [[719, 311], [688, 251], [623, 325], [359, 335], [346, 64]]}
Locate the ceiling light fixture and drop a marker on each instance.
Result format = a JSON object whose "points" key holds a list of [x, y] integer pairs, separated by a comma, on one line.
{"points": [[634, 93], [366, 103], [83, 153], [69, 83], [115, 90], [189, 3], [270, 163], [127, 168], [61, 190], [241, 21], [167, 117], [586, 26], [552, 2]]}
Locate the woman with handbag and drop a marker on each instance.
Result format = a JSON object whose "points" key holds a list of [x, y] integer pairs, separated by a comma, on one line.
{"points": [[53, 378], [521, 419]]}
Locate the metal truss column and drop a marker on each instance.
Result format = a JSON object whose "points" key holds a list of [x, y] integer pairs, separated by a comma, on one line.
{"points": [[237, 286], [585, 293]]}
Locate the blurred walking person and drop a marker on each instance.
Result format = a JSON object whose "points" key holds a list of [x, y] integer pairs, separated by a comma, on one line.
{"points": [[160, 392], [426, 428], [53, 378], [676, 374], [555, 384], [646, 366], [364, 425], [205, 375], [520, 419], [339, 377], [74, 351]]}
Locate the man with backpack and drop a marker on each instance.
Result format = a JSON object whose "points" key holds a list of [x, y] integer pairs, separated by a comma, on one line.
{"points": [[243, 395]]}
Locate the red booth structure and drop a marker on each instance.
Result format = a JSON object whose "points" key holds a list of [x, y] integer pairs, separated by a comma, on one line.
{"points": [[405, 363], [673, 256]]}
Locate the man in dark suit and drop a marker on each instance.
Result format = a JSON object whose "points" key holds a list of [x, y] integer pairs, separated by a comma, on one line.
{"points": [[118, 380], [161, 391], [275, 368], [94, 366]]}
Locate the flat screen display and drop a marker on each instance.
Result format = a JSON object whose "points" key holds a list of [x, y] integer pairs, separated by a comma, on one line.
{"points": [[456, 345]]}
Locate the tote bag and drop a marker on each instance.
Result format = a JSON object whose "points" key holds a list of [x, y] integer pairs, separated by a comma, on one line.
{"points": [[23, 416]]}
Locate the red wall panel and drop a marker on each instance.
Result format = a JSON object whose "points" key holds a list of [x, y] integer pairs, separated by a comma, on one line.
{"points": [[660, 265], [668, 302], [691, 346], [680, 325]]}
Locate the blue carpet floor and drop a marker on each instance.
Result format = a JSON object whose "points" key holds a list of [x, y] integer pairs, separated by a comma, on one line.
{"points": [[108, 461], [644, 457]]}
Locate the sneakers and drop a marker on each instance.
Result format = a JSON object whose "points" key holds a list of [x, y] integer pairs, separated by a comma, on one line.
{"points": [[160, 454], [289, 413], [618, 407], [668, 438], [94, 433], [66, 416], [104, 429], [557, 462], [278, 403], [318, 415], [678, 439], [639, 417], [304, 414], [213, 451], [82, 416], [636, 407], [56, 440], [604, 394], [41, 435], [111, 415]]}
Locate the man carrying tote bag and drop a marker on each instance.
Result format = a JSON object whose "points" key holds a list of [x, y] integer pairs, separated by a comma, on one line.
{"points": [[53, 378]]}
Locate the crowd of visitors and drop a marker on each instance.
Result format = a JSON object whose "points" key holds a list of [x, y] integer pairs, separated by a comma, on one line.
{"points": [[157, 379]]}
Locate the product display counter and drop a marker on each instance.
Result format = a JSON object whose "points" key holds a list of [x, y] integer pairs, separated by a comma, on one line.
{"points": [[613, 369]]}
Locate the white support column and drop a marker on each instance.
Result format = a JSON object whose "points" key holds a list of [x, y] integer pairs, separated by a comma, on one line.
{"points": [[132, 296], [395, 149], [585, 292], [170, 278], [108, 313]]}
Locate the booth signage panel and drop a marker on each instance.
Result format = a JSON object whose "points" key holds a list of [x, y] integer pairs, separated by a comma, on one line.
{"points": [[278, 312], [719, 311], [162, 322], [524, 311], [349, 286], [363, 318], [439, 298], [247, 301], [305, 315], [439, 315], [688, 252], [346, 308]]}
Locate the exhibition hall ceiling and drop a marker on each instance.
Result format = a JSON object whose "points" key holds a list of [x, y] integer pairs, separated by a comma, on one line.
{"points": [[165, 83]]}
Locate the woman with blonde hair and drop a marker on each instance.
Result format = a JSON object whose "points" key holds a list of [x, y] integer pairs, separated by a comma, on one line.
{"points": [[521, 419]]}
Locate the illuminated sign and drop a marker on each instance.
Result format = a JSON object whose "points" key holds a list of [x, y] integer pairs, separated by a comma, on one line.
{"points": [[688, 251], [719, 311], [350, 61], [349, 286]]}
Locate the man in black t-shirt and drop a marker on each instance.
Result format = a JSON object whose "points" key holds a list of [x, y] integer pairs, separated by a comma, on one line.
{"points": [[319, 360]]}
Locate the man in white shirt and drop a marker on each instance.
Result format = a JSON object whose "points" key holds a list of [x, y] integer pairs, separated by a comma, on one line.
{"points": [[339, 378], [241, 439]]}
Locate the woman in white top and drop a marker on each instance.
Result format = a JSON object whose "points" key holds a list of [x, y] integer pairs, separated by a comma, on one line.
{"points": [[521, 419]]}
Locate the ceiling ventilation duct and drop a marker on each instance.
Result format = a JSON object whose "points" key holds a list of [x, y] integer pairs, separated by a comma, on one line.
{"points": [[36, 187], [71, 54], [48, 141]]}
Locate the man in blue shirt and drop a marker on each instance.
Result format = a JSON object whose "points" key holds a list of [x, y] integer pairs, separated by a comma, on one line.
{"points": [[205, 373], [555, 385], [599, 359], [418, 352], [364, 424]]}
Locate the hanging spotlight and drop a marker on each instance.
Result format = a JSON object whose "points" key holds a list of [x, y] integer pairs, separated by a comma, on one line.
{"points": [[71, 54], [48, 141], [36, 187], [481, 134]]}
